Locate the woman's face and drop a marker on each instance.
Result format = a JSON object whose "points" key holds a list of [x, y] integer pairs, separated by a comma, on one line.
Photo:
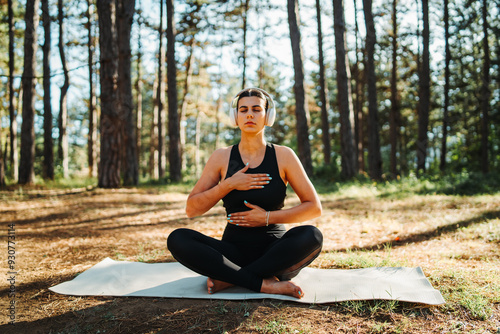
{"points": [[251, 113]]}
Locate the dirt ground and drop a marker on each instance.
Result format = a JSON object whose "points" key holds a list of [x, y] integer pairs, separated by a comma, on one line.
{"points": [[61, 233]]}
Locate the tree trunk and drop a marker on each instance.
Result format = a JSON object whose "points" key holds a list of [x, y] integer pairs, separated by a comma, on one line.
{"points": [[442, 165], [174, 152], [26, 166], [184, 102], [485, 92], [301, 110], [160, 98], [153, 146], [394, 116], [344, 93], [424, 93], [48, 146], [358, 103], [92, 137], [197, 159], [111, 120], [138, 89], [14, 161], [126, 10], [63, 107], [325, 126], [245, 27], [2, 166], [374, 158]]}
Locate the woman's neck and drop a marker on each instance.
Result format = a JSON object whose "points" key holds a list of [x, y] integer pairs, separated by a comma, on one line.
{"points": [[252, 144]]}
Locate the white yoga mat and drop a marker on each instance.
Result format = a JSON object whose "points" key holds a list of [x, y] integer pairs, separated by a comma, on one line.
{"points": [[172, 280]]}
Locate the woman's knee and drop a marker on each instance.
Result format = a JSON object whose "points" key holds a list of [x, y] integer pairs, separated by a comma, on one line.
{"points": [[178, 239], [310, 235]]}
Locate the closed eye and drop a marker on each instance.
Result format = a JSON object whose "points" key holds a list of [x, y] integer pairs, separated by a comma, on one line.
{"points": [[256, 108]]}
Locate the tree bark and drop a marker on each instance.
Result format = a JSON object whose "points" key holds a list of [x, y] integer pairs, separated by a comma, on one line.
{"points": [[14, 159], [394, 116], [111, 120], [245, 27], [126, 10], [138, 89], [301, 110], [48, 146], [174, 152], [2, 166], [424, 94], [26, 166], [325, 126], [374, 157], [197, 141], [442, 164], [358, 103], [92, 138], [63, 106], [485, 92], [344, 93], [184, 102], [160, 141], [153, 145]]}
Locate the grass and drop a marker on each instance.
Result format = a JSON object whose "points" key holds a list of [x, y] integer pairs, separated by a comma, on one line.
{"points": [[449, 226], [461, 184]]}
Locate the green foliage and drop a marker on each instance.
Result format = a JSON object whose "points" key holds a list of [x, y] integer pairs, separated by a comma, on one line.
{"points": [[464, 184], [468, 295], [372, 307], [363, 259], [216, 29]]}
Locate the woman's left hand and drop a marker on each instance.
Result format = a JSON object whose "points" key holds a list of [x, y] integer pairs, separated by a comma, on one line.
{"points": [[253, 218]]}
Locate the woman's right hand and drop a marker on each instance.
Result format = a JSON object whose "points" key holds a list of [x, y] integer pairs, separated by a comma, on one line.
{"points": [[242, 181]]}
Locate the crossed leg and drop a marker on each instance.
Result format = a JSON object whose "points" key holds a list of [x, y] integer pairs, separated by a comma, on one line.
{"points": [[219, 260]]}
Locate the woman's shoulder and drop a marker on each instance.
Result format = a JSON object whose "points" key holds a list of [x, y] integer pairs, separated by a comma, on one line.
{"points": [[283, 151], [221, 155], [285, 155]]}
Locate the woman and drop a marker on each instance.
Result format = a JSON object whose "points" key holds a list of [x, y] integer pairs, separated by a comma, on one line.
{"points": [[256, 251]]}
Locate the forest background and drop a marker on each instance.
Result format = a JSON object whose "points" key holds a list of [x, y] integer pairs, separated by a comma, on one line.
{"points": [[119, 93], [139, 90]]}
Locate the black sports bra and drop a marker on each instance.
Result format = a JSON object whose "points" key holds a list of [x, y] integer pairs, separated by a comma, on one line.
{"points": [[270, 198]]}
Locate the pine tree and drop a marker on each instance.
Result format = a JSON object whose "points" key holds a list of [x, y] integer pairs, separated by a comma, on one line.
{"points": [[174, 152], [48, 146], [344, 93], [301, 110], [26, 166]]}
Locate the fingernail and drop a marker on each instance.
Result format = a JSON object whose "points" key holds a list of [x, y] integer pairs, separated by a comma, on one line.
{"points": [[267, 181], [229, 215], [237, 224], [246, 201], [270, 178], [247, 164]]}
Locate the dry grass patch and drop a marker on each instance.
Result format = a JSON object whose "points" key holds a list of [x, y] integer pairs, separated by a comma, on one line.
{"points": [[61, 233]]}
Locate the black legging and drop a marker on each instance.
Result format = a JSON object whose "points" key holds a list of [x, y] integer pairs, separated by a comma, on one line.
{"points": [[225, 261]]}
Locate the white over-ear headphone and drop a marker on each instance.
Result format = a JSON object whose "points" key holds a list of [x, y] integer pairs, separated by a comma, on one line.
{"points": [[270, 112]]}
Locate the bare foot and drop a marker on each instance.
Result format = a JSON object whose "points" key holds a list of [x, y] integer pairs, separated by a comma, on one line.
{"points": [[273, 285], [214, 285]]}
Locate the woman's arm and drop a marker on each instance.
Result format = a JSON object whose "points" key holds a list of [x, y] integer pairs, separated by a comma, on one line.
{"points": [[310, 205], [208, 191], [293, 173]]}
